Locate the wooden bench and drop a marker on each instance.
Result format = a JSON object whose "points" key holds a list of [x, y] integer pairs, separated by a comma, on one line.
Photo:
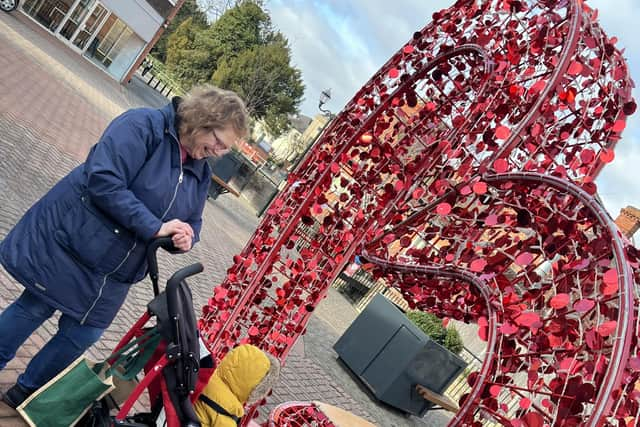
{"points": [[341, 418], [443, 401], [226, 188]]}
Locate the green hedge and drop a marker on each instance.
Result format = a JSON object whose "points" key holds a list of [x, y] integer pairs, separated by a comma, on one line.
{"points": [[434, 329]]}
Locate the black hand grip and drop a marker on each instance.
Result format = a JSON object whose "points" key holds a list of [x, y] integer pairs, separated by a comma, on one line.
{"points": [[165, 242], [174, 283], [152, 260]]}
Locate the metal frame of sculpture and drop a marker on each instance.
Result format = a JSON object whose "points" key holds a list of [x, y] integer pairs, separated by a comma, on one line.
{"points": [[463, 173]]}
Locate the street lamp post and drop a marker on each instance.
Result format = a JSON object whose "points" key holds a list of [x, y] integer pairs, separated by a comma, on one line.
{"points": [[325, 96]]}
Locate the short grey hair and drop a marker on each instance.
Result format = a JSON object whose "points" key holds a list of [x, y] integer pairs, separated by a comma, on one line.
{"points": [[209, 107]]}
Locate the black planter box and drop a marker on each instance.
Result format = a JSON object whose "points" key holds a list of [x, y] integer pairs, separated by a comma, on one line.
{"points": [[390, 355], [225, 168]]}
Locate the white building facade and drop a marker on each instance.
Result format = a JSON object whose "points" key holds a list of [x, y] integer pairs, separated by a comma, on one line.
{"points": [[112, 34]]}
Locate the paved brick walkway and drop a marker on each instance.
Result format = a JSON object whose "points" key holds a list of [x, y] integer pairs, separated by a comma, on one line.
{"points": [[53, 107]]}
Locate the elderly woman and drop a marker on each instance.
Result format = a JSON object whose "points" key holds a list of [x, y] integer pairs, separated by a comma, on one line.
{"points": [[80, 248]]}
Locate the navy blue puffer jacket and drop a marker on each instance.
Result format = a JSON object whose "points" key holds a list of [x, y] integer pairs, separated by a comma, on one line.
{"points": [[82, 245]]}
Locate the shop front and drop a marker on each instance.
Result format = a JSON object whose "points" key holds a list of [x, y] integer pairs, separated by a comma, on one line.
{"points": [[109, 33]]}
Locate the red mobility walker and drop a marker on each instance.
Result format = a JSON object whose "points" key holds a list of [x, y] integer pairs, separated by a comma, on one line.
{"points": [[171, 372]]}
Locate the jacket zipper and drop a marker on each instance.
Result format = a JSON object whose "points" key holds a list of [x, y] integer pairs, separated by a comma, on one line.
{"points": [[175, 193], [106, 276], [104, 282], [180, 177]]}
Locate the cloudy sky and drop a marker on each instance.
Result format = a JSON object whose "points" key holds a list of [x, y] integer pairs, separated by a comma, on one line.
{"points": [[340, 44]]}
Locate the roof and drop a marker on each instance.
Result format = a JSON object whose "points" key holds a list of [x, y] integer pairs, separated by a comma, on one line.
{"points": [[630, 210], [300, 122]]}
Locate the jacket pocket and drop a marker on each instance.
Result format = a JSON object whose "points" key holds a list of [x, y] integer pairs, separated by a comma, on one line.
{"points": [[92, 239]]}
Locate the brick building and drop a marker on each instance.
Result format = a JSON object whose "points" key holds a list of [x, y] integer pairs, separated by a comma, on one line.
{"points": [[628, 221], [114, 35]]}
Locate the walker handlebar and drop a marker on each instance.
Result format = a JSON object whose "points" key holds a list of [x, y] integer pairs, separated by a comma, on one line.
{"points": [[183, 273], [173, 297], [174, 283], [152, 259]]}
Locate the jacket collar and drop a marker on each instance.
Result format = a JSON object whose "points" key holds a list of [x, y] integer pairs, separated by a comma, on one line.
{"points": [[169, 112], [198, 168]]}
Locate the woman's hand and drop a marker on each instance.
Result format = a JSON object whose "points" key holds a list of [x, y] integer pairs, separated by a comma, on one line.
{"points": [[175, 226], [182, 241], [181, 233]]}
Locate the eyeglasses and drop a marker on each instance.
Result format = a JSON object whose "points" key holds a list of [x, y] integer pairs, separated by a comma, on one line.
{"points": [[219, 149]]}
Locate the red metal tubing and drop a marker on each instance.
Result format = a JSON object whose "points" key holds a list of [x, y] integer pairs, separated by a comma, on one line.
{"points": [[131, 333], [152, 375]]}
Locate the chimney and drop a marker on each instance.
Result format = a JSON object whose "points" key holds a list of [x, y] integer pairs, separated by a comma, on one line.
{"points": [[628, 221]]}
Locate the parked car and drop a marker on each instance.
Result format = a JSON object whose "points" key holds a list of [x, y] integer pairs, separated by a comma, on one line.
{"points": [[9, 5]]}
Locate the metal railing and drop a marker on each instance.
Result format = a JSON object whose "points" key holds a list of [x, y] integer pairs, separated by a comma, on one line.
{"points": [[379, 287], [159, 78], [460, 386]]}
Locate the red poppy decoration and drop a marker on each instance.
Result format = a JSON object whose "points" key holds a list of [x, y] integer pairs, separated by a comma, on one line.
{"points": [[529, 319], [584, 305], [560, 301], [480, 187], [619, 126], [524, 259], [533, 419], [607, 156], [501, 165], [502, 132], [443, 209], [478, 265], [607, 328], [508, 329], [574, 69]]}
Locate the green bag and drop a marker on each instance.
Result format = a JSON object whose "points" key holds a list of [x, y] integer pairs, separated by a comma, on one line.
{"points": [[64, 400]]}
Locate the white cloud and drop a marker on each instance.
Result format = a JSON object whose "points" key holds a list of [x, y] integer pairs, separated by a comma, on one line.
{"points": [[620, 18], [340, 44], [619, 182]]}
